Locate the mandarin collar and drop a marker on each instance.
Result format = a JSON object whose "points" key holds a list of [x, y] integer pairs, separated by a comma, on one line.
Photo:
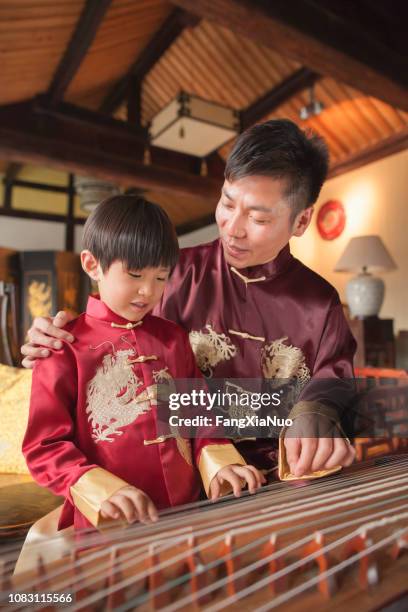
{"points": [[97, 309], [267, 270]]}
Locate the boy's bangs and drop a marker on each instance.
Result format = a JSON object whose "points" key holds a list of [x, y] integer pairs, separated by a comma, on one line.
{"points": [[149, 247], [132, 230]]}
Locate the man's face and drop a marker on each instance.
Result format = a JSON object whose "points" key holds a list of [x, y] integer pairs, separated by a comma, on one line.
{"points": [[254, 220]]}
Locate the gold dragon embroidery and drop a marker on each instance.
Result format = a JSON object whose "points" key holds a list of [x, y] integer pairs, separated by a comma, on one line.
{"points": [[161, 377], [284, 362], [210, 348], [112, 400]]}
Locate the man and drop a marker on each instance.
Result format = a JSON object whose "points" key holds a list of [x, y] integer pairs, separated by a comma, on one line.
{"points": [[254, 311]]}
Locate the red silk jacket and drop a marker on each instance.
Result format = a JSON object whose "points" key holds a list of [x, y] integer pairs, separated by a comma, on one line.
{"points": [[92, 421]]}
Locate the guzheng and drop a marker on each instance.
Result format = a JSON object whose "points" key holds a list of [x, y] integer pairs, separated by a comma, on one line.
{"points": [[331, 544]]}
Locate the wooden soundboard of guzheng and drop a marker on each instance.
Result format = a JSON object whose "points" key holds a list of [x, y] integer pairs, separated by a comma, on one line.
{"points": [[331, 544]]}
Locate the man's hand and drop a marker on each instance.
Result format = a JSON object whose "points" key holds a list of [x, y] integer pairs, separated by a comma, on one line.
{"points": [[314, 443], [43, 333], [131, 503], [238, 476]]}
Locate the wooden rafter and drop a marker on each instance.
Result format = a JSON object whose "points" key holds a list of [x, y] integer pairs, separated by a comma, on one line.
{"points": [[12, 172], [315, 38], [181, 229], [388, 146], [81, 40], [278, 95], [134, 102], [161, 41], [103, 148]]}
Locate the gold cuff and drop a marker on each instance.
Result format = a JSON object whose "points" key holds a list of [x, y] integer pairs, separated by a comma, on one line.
{"points": [[93, 488], [284, 469], [307, 407], [312, 407], [213, 457]]}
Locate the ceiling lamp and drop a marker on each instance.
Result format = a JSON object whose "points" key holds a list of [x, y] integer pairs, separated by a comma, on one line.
{"points": [[314, 107], [189, 124], [92, 191]]}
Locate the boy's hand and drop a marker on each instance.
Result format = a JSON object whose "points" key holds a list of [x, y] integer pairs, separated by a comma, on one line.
{"points": [[45, 332], [131, 503], [238, 476]]}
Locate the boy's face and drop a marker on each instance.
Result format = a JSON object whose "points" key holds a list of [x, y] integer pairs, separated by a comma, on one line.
{"points": [[129, 293]]}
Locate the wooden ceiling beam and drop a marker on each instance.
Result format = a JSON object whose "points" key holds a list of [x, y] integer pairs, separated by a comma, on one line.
{"points": [[32, 133], [171, 29], [388, 146], [322, 41], [12, 172], [81, 40], [289, 87]]}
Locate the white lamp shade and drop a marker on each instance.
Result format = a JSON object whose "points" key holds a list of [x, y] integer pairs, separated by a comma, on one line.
{"points": [[365, 252]]}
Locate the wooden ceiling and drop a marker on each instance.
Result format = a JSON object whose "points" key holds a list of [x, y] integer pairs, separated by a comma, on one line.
{"points": [[217, 65], [123, 34], [128, 58]]}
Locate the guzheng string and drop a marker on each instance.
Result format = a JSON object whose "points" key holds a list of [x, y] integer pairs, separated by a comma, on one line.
{"points": [[119, 536], [188, 600], [221, 583], [313, 581], [290, 548], [341, 486], [331, 484], [352, 482]]}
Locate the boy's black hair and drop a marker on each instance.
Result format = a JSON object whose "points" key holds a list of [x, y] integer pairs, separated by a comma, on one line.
{"points": [[133, 230], [281, 150]]}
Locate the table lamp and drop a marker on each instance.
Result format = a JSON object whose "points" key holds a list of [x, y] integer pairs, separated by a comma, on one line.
{"points": [[364, 292]]}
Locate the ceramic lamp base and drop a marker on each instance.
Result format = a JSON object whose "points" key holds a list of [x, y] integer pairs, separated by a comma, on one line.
{"points": [[365, 294]]}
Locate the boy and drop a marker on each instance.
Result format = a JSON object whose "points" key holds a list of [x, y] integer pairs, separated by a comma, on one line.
{"points": [[91, 435]]}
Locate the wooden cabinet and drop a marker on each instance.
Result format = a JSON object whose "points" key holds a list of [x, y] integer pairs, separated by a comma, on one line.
{"points": [[375, 342], [50, 281]]}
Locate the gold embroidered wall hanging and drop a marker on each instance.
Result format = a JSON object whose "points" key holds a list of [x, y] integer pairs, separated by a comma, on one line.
{"points": [[39, 299]]}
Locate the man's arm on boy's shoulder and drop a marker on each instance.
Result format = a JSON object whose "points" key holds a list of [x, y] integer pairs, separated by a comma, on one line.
{"points": [[49, 446], [45, 333]]}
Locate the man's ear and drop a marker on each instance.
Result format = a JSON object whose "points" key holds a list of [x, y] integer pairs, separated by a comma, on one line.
{"points": [[302, 221], [90, 265]]}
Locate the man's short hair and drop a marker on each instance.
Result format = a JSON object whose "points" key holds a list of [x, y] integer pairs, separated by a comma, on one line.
{"points": [[281, 150], [133, 230]]}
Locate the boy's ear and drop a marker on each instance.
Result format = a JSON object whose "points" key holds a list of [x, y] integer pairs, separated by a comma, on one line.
{"points": [[91, 265]]}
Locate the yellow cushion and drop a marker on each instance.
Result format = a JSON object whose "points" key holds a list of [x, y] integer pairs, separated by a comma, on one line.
{"points": [[15, 386]]}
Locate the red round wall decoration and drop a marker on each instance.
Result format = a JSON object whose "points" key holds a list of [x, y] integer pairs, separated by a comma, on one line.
{"points": [[331, 220]]}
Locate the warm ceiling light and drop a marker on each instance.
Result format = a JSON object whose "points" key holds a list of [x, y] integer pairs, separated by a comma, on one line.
{"points": [[189, 124], [314, 107], [92, 191]]}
